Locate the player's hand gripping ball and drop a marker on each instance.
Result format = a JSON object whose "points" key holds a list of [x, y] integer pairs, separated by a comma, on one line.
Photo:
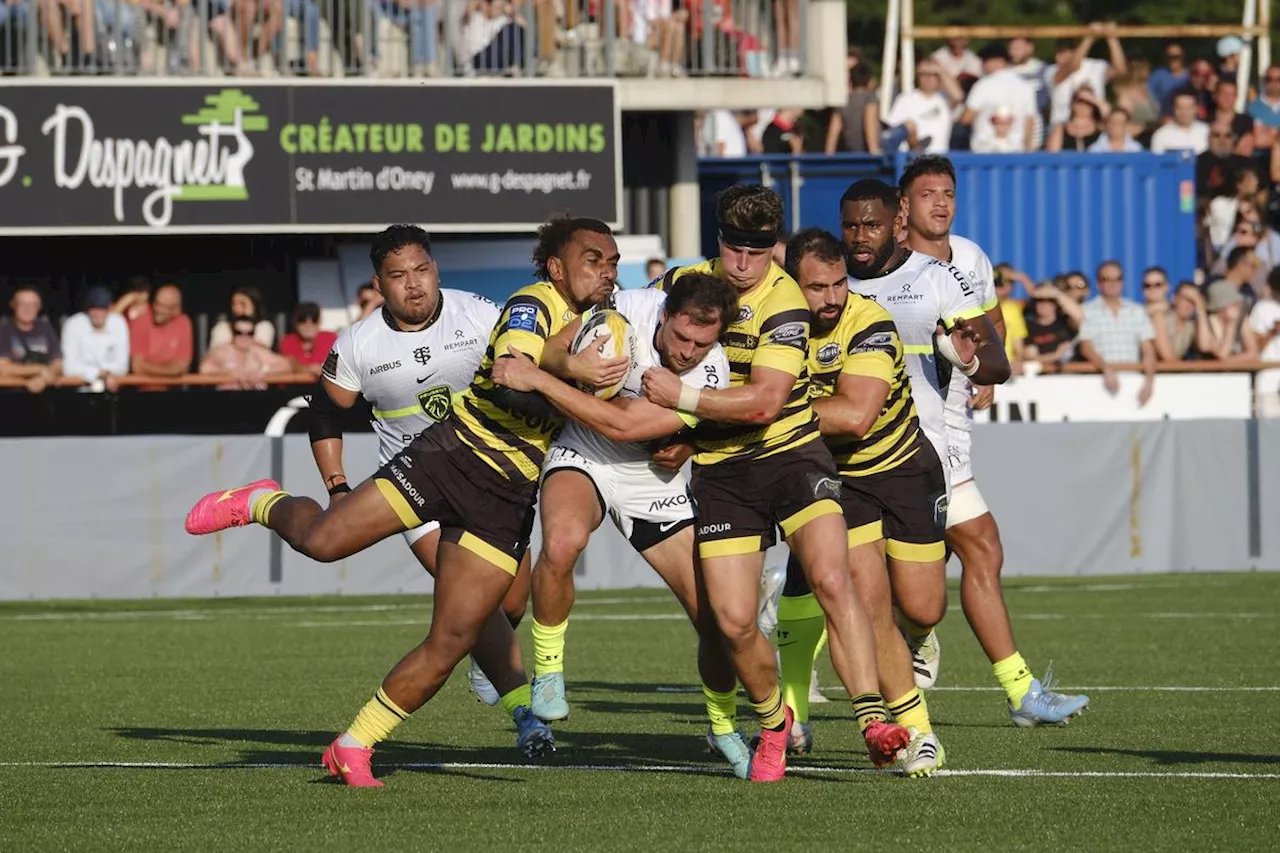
{"points": [[612, 337]]}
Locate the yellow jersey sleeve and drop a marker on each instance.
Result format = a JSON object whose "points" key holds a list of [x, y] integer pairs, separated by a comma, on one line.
{"points": [[525, 324], [784, 330], [874, 348]]}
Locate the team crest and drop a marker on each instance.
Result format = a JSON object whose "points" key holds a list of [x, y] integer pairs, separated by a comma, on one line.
{"points": [[744, 314], [436, 401]]}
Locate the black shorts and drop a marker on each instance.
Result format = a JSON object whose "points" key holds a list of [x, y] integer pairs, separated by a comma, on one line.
{"points": [[739, 503], [906, 506], [440, 478]]}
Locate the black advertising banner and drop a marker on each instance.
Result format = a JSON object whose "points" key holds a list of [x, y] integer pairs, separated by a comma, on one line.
{"points": [[121, 158]]}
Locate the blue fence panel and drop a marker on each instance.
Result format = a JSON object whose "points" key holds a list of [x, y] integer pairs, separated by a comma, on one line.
{"points": [[1051, 213], [1043, 213], [808, 184]]}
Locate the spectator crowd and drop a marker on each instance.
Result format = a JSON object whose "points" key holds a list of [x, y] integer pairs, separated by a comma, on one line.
{"points": [[144, 334], [420, 38], [1233, 322]]}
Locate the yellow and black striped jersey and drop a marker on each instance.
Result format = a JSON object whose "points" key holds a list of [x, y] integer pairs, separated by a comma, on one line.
{"points": [[511, 443], [865, 343], [771, 330]]}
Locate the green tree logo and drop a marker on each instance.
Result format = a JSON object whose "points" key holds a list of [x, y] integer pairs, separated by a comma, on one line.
{"points": [[226, 117]]}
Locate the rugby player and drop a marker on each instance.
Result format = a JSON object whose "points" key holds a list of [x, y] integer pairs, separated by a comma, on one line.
{"points": [[758, 464], [928, 188], [600, 464], [893, 488], [405, 369], [476, 473]]}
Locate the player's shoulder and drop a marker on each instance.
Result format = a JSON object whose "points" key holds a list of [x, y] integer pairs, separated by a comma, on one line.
{"points": [[944, 273], [668, 278], [462, 307], [781, 292], [638, 301], [862, 311]]}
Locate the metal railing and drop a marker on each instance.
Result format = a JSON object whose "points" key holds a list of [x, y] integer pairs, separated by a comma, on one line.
{"points": [[404, 38]]}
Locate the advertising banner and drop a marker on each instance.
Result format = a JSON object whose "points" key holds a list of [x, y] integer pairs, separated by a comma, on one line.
{"points": [[151, 157]]}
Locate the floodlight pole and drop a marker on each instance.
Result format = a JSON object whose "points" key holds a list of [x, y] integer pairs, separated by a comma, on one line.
{"points": [[891, 32]]}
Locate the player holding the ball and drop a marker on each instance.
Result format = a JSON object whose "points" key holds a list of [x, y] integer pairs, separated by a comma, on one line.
{"points": [[759, 463], [476, 473], [601, 464]]}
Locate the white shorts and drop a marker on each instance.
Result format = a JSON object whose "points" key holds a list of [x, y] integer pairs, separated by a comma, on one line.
{"points": [[958, 462], [412, 536], [646, 506], [966, 504]]}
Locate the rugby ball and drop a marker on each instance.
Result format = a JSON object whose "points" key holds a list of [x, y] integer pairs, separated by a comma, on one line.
{"points": [[613, 337]]}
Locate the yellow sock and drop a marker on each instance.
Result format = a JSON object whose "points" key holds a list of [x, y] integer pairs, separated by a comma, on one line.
{"points": [[722, 710], [261, 505], [548, 647], [911, 711], [869, 708], [771, 711], [376, 720], [1014, 676], [801, 628], [522, 695]]}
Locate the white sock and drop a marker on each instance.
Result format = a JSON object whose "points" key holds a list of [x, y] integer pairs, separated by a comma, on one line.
{"points": [[348, 740]]}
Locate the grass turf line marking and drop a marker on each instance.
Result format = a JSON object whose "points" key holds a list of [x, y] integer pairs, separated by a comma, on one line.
{"points": [[205, 613], [642, 768], [678, 688], [274, 612]]}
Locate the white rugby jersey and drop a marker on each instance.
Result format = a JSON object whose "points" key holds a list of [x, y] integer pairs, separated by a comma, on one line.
{"points": [[643, 309], [409, 378], [920, 292], [968, 257]]}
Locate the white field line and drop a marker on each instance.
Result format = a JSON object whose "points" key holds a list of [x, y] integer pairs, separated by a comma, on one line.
{"points": [[275, 612], [640, 768], [206, 613], [679, 688], [577, 617]]}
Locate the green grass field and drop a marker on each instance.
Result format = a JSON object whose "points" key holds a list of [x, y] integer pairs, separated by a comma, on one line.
{"points": [[199, 725]]}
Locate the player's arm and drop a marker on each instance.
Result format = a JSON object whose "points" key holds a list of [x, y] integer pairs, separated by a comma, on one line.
{"points": [[327, 403], [524, 329], [864, 382], [777, 362], [963, 313], [629, 419]]}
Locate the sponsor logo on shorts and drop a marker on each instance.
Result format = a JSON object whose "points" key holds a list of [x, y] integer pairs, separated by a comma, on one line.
{"points": [[407, 487], [383, 368], [524, 318], [940, 506], [669, 503], [824, 487], [406, 460], [712, 529], [828, 354], [663, 528]]}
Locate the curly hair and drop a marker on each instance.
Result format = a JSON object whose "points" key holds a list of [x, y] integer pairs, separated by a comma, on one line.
{"points": [[555, 234], [749, 207], [394, 238]]}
